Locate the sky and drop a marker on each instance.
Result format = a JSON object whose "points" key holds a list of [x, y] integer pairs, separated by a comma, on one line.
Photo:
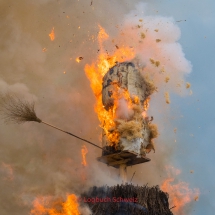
{"points": [[38, 161]]}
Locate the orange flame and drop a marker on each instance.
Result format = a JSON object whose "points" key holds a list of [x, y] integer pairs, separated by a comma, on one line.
{"points": [[95, 73], [50, 206], [84, 151], [52, 35], [180, 193], [146, 104], [145, 107]]}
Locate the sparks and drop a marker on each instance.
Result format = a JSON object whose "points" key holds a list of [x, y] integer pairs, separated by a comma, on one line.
{"points": [[52, 35], [84, 151]]}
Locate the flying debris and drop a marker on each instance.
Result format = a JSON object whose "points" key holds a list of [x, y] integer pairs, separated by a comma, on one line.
{"points": [[167, 79], [182, 20], [52, 35], [188, 85], [167, 98], [117, 46], [79, 59], [143, 35]]}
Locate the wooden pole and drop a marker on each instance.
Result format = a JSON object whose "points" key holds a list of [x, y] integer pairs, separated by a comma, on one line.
{"points": [[123, 173]]}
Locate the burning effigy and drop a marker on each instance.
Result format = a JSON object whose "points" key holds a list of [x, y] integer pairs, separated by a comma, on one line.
{"points": [[125, 93]]}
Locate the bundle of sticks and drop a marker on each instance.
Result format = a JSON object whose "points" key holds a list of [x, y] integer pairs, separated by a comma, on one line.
{"points": [[127, 199]]}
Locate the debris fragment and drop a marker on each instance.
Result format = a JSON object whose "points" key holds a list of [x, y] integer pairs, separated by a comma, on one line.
{"points": [[140, 20], [156, 30], [152, 61], [158, 40], [167, 79], [78, 59], [196, 198], [157, 63], [188, 85], [191, 171], [175, 129], [167, 98], [162, 69], [117, 46], [181, 20], [143, 35]]}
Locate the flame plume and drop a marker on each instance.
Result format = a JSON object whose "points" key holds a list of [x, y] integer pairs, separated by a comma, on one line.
{"points": [[95, 73], [50, 206]]}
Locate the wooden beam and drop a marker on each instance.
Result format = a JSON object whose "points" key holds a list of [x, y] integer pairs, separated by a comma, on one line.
{"points": [[123, 173], [118, 162]]}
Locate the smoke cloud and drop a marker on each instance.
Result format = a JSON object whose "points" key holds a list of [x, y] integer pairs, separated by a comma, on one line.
{"points": [[38, 161]]}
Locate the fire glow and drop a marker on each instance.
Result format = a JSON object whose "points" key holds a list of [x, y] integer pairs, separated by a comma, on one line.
{"points": [[84, 151], [180, 194], [51, 206], [52, 35], [96, 71]]}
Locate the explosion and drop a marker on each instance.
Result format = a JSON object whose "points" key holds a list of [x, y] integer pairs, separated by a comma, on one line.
{"points": [[122, 98]]}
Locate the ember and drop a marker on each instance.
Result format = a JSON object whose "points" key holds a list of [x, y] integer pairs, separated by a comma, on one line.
{"points": [[79, 59], [52, 35], [84, 151]]}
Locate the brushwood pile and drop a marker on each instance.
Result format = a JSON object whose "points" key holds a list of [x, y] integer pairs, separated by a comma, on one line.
{"points": [[127, 200]]}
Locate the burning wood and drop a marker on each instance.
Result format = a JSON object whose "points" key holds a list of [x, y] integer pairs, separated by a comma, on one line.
{"points": [[50, 206], [125, 94]]}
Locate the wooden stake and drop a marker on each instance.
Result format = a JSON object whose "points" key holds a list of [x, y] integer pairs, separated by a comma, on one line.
{"points": [[123, 173]]}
